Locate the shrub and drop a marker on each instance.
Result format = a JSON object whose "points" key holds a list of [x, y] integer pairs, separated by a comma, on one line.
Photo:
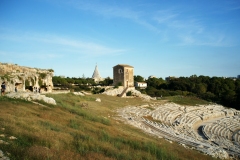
{"points": [[84, 87], [50, 70], [40, 82], [119, 84], [98, 90], [42, 75], [129, 93]]}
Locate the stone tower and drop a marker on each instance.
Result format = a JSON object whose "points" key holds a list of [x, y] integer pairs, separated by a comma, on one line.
{"points": [[96, 76], [123, 73]]}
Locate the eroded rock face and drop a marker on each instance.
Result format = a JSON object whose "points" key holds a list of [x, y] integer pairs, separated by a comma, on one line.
{"points": [[26, 78]]}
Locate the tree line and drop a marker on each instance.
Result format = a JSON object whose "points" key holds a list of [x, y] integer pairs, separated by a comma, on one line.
{"points": [[225, 91], [78, 84]]}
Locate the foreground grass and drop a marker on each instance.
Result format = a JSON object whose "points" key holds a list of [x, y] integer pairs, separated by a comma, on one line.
{"points": [[70, 131]]}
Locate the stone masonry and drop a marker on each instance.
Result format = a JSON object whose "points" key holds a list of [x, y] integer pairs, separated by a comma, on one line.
{"points": [[123, 74]]}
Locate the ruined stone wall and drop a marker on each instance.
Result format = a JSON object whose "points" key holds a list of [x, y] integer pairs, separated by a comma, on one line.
{"points": [[25, 78]]}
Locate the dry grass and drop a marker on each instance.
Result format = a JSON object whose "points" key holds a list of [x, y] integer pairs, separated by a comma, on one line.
{"points": [[68, 131]]}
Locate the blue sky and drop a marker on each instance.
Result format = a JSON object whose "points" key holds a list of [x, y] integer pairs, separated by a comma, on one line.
{"points": [[157, 37]]}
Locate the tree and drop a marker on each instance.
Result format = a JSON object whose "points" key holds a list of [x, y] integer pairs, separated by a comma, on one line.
{"points": [[70, 80], [138, 78], [155, 82], [215, 86], [107, 81], [178, 84], [200, 88], [237, 97], [209, 96], [228, 97], [151, 91], [59, 81]]}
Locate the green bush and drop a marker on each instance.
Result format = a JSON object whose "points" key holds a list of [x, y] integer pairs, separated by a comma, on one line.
{"points": [[84, 87], [98, 90], [42, 75], [27, 83], [129, 93], [50, 70], [40, 82], [119, 84]]}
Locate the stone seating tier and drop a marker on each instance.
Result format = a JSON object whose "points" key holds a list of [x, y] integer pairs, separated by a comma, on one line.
{"points": [[236, 137], [221, 131]]}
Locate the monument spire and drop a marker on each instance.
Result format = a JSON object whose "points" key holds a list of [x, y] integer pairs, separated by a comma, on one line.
{"points": [[96, 76]]}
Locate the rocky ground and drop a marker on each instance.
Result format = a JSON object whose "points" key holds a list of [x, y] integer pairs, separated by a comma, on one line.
{"points": [[164, 120], [176, 123], [4, 156]]}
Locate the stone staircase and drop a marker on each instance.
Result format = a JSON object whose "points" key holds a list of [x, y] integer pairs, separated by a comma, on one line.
{"points": [[124, 91]]}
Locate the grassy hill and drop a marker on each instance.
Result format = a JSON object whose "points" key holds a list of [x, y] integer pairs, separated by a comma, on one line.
{"points": [[71, 131]]}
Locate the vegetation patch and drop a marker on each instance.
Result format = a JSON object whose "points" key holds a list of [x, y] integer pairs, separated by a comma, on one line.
{"points": [[148, 117], [67, 131], [129, 93], [186, 100], [150, 108], [49, 126]]}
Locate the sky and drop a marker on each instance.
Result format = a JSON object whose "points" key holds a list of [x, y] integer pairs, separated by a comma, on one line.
{"points": [[157, 37]]}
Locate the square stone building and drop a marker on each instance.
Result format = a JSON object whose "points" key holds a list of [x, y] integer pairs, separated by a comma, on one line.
{"points": [[123, 73]]}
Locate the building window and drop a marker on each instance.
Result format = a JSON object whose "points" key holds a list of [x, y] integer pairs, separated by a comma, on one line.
{"points": [[120, 71]]}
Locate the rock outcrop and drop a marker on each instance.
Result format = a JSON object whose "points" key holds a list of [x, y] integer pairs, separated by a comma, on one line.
{"points": [[26, 78], [29, 96], [78, 93], [98, 100], [134, 92]]}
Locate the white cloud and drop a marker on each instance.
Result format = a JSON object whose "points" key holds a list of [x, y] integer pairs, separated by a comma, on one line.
{"points": [[29, 55], [52, 44], [114, 11], [174, 19], [189, 30], [84, 47], [164, 16], [110, 11]]}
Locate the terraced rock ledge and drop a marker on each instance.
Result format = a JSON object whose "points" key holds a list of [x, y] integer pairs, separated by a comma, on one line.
{"points": [[211, 129]]}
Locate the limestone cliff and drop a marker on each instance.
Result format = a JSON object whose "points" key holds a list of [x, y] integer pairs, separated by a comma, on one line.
{"points": [[26, 78]]}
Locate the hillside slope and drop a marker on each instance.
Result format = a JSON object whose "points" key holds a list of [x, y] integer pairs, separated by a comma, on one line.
{"points": [[79, 127]]}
